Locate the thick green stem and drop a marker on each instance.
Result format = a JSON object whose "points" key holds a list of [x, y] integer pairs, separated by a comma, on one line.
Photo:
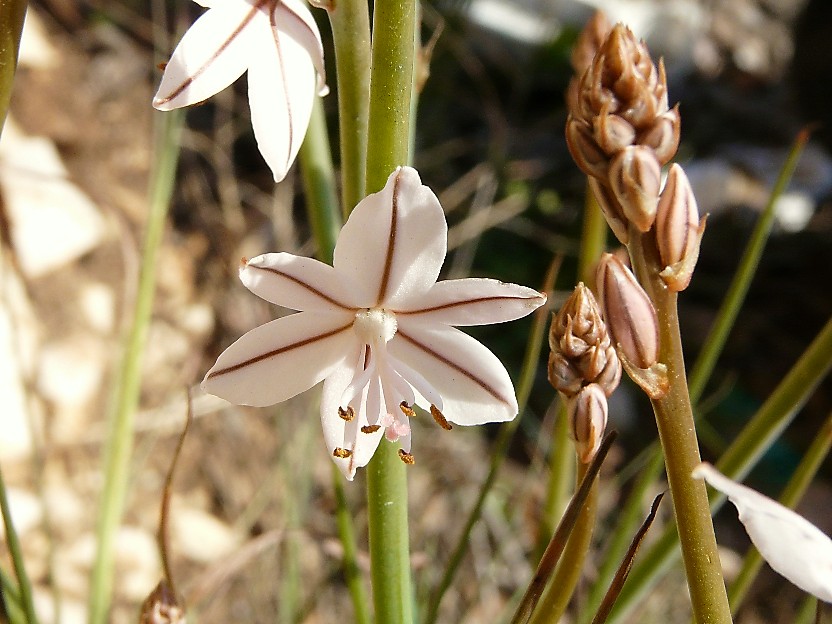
{"points": [[350, 22], [120, 436], [677, 433], [394, 23], [593, 238], [346, 532]]}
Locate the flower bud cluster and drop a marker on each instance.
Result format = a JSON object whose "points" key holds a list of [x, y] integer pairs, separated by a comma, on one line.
{"points": [[620, 130], [583, 367]]}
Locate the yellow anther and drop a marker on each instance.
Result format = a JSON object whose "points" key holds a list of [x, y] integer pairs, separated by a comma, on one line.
{"points": [[341, 453], [347, 414], [440, 418], [407, 409], [370, 428], [406, 457]]}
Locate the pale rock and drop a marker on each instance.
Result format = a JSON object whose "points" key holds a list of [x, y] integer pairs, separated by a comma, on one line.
{"points": [[27, 511], [52, 221], [198, 535], [36, 50], [98, 305]]}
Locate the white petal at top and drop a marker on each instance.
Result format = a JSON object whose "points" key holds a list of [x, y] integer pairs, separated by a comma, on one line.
{"points": [[394, 242], [294, 17], [473, 301], [281, 91], [792, 546], [276, 361], [213, 53], [474, 385], [299, 283]]}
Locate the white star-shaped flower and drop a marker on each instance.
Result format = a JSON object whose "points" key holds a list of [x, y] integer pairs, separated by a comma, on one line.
{"points": [[279, 44], [377, 328]]}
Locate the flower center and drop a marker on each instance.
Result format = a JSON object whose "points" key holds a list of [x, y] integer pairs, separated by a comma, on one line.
{"points": [[375, 326]]}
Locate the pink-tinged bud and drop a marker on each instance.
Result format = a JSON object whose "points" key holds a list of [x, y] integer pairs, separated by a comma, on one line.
{"points": [[611, 209], [587, 413], [678, 230], [635, 178], [629, 313]]}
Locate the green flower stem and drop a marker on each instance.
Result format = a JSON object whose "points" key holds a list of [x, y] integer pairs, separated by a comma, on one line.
{"points": [[126, 395], [734, 298], [352, 576], [12, 14], [758, 435], [319, 184], [677, 433], [350, 21], [793, 492], [394, 23], [13, 542], [561, 477], [532, 356], [562, 585], [593, 238]]}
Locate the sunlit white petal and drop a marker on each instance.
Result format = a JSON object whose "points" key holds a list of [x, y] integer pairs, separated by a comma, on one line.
{"points": [[280, 359], [339, 433], [395, 241], [294, 17], [298, 283], [474, 385], [790, 544], [473, 301], [213, 53], [281, 89]]}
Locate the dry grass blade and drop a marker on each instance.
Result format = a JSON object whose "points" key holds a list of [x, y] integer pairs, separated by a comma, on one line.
{"points": [[626, 564], [553, 551]]}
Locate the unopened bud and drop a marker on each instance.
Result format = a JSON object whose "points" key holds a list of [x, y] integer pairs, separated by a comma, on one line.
{"points": [[563, 375], [663, 135], [587, 413], [629, 313], [635, 178], [592, 36], [162, 607], [613, 133], [586, 152], [678, 230], [611, 209]]}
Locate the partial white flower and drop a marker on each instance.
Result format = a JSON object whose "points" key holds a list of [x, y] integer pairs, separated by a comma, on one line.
{"points": [[279, 44], [377, 327], [792, 546]]}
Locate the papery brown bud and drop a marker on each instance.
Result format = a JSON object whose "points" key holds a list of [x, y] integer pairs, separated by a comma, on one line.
{"points": [[678, 230], [585, 150], [662, 136], [612, 210], [629, 313], [635, 178], [581, 349], [587, 413], [586, 46], [162, 607], [613, 133]]}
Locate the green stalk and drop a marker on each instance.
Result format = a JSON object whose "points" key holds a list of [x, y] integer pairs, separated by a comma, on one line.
{"points": [[734, 298], [16, 552], [126, 396], [507, 430], [561, 477], [352, 576], [593, 238], [394, 23], [758, 435], [350, 21], [701, 371], [319, 184], [12, 14], [677, 433], [792, 493]]}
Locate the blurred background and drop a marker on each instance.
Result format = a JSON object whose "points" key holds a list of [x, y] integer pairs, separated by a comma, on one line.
{"points": [[253, 534]]}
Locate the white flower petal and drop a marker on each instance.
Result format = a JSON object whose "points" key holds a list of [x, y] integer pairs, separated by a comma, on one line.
{"points": [[791, 545], [474, 301], [213, 53], [395, 241], [296, 19], [280, 359], [474, 385], [281, 89], [298, 283], [347, 435]]}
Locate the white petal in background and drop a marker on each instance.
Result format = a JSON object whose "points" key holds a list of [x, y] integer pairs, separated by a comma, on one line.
{"points": [[395, 241], [791, 545], [474, 385]]}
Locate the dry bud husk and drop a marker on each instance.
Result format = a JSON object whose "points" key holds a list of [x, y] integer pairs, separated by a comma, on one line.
{"points": [[582, 352], [162, 607], [636, 178], [629, 313], [592, 36], [678, 230], [587, 420]]}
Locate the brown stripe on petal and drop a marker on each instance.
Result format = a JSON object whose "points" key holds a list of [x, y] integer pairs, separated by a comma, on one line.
{"points": [[190, 79], [276, 352], [286, 86], [391, 247], [302, 284], [466, 373], [465, 302]]}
